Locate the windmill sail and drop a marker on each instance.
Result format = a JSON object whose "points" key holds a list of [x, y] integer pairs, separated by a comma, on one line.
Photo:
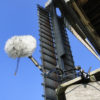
{"points": [[48, 53], [55, 50]]}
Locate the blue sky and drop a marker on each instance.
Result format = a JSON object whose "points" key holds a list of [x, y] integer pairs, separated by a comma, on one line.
{"points": [[19, 17]]}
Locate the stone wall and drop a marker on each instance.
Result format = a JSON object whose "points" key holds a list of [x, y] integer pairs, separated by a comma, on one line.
{"points": [[90, 91]]}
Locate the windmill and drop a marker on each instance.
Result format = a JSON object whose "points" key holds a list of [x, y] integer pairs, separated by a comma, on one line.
{"points": [[54, 39], [57, 60]]}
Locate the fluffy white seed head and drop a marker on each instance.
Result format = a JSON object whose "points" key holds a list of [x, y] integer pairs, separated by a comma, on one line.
{"points": [[20, 46]]}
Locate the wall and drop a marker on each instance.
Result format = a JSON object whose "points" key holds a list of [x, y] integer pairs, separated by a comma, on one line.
{"points": [[90, 91]]}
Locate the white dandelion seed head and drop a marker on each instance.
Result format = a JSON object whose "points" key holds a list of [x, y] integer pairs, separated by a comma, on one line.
{"points": [[20, 46]]}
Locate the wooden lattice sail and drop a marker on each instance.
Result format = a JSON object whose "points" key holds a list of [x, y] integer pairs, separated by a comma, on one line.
{"points": [[55, 50]]}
